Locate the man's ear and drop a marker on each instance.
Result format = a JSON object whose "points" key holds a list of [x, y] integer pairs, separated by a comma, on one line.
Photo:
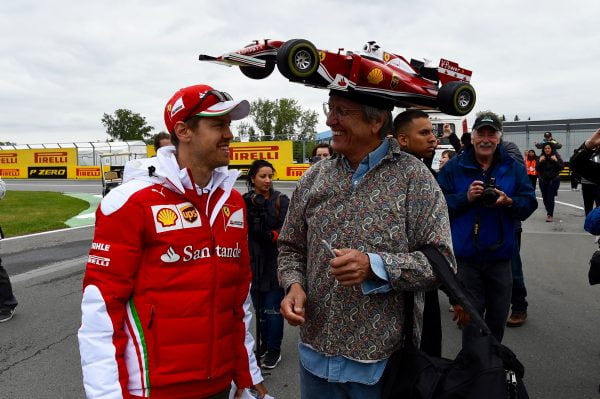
{"points": [[182, 132], [402, 140]]}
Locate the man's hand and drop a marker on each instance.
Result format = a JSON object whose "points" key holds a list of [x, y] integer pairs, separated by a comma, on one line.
{"points": [[461, 317], [261, 389], [503, 199], [292, 305], [447, 132], [475, 190], [593, 141], [350, 267]]}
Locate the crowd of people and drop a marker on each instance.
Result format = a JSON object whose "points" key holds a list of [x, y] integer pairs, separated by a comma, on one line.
{"points": [[179, 256]]}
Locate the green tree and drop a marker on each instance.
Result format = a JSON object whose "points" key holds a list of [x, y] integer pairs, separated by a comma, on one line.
{"points": [[517, 118], [283, 119], [126, 125], [503, 118], [246, 132]]}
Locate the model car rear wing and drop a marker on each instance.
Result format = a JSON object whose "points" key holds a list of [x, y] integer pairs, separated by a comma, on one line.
{"points": [[231, 59], [449, 71]]}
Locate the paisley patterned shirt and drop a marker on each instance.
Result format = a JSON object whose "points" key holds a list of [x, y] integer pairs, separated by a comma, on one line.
{"points": [[394, 210]]}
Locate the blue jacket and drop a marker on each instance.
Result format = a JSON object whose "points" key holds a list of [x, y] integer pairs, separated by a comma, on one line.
{"points": [[592, 222], [494, 239]]}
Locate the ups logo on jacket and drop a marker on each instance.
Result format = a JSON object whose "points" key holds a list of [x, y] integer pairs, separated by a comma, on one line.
{"points": [[175, 217]]}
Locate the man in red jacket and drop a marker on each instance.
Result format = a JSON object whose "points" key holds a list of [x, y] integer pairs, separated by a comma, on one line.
{"points": [[168, 273]]}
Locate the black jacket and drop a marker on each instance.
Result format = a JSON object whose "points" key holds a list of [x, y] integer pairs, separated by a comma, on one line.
{"points": [[583, 164], [264, 225]]}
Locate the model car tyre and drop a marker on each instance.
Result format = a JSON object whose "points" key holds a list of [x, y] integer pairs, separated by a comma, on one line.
{"points": [[456, 98], [258, 72], [297, 59]]}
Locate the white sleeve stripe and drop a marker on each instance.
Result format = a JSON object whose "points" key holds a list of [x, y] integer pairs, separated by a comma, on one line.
{"points": [[98, 353], [249, 343]]}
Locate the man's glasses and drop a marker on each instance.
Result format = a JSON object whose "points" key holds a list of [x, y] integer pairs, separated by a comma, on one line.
{"points": [[339, 112], [221, 96]]}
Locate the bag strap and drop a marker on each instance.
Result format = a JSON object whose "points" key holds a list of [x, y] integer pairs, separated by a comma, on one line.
{"points": [[444, 272], [407, 329]]}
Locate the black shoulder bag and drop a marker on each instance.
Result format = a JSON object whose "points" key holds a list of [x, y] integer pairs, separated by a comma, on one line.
{"points": [[484, 369]]}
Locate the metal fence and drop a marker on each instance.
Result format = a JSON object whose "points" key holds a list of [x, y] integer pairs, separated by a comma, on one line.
{"points": [[568, 132], [88, 153]]}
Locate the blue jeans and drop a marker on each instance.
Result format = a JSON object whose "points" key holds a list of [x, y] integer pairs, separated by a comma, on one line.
{"points": [[266, 305], [519, 292], [489, 285], [549, 191], [313, 387]]}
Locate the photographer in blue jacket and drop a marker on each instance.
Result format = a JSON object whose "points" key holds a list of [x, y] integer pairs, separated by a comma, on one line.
{"points": [[487, 193]]}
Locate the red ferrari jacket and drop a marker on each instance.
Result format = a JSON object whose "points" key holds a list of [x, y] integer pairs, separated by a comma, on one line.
{"points": [[164, 289]]}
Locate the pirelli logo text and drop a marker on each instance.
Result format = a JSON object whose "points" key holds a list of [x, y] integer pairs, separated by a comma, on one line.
{"points": [[295, 171], [8, 158], [251, 153], [53, 157], [87, 172], [98, 260], [9, 173]]}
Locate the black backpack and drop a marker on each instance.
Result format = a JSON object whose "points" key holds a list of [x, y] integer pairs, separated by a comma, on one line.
{"points": [[484, 369]]}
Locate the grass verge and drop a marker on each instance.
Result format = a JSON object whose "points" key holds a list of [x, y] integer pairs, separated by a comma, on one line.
{"points": [[26, 212]]}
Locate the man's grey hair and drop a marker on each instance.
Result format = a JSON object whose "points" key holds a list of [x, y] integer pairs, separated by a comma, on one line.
{"points": [[373, 113]]}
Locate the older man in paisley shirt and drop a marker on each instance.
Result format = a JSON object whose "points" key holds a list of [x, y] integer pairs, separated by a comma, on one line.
{"points": [[375, 206]]}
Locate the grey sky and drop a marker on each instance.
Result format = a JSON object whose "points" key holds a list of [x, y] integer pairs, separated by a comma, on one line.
{"points": [[65, 63]]}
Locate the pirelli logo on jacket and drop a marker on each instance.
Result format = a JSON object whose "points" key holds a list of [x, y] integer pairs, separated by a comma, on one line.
{"points": [[175, 217]]}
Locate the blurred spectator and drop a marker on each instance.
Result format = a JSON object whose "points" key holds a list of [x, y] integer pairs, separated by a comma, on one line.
{"points": [[574, 176], [585, 162], [530, 164], [8, 302], [266, 212], [446, 156], [321, 151], [548, 167], [548, 139], [161, 139]]}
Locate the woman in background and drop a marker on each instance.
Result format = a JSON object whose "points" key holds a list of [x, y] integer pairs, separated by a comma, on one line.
{"points": [[530, 165], [548, 167], [266, 212]]}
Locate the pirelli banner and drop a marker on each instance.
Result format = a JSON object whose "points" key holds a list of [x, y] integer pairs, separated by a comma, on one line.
{"points": [[279, 153], [59, 163]]}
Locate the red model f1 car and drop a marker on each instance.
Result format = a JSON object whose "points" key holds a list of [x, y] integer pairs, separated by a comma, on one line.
{"points": [[372, 71]]}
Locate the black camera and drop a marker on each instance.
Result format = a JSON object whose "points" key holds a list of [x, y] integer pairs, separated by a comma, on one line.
{"points": [[490, 196], [255, 204]]}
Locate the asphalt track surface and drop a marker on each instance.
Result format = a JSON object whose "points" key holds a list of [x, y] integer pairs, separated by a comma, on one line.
{"points": [[559, 343]]}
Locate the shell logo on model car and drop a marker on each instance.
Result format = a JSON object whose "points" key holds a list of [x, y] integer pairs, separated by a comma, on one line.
{"points": [[375, 76], [167, 217], [414, 83]]}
